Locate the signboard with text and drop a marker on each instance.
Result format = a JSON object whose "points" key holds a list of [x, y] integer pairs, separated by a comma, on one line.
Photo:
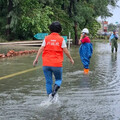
{"points": [[105, 26]]}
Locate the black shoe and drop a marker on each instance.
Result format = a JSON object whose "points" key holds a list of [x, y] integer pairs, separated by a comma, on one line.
{"points": [[55, 89]]}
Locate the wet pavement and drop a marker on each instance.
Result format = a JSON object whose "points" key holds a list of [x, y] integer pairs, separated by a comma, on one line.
{"points": [[95, 96]]}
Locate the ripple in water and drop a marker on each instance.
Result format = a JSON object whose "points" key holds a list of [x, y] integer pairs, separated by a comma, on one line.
{"points": [[50, 101]]}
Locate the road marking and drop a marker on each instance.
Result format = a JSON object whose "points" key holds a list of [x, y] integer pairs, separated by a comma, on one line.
{"points": [[19, 73]]}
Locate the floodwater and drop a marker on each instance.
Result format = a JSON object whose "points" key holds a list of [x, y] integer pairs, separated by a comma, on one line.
{"points": [[95, 96]]}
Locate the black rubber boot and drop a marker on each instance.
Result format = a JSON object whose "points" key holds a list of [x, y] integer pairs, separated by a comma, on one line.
{"points": [[55, 89]]}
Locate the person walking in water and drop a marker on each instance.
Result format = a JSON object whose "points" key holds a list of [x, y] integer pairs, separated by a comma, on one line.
{"points": [[85, 49], [113, 41], [53, 47]]}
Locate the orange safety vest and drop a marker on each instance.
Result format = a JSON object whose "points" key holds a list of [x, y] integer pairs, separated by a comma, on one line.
{"points": [[53, 52]]}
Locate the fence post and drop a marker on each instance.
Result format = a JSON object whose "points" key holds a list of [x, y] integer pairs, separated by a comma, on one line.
{"points": [[69, 40]]}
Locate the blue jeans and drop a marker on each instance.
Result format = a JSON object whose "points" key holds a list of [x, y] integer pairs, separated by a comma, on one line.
{"points": [[57, 72]]}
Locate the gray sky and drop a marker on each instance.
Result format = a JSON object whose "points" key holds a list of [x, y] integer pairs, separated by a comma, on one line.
{"points": [[116, 14]]}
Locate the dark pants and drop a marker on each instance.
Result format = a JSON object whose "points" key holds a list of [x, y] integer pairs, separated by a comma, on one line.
{"points": [[114, 45]]}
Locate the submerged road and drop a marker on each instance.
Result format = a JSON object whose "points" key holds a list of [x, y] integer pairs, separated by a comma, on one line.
{"points": [[95, 96], [19, 73]]}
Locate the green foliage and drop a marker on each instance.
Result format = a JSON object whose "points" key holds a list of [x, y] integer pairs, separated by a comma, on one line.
{"points": [[3, 13], [61, 16], [93, 28], [25, 18], [111, 27], [34, 22]]}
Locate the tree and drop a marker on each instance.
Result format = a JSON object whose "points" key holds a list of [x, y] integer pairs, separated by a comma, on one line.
{"points": [[3, 14], [111, 27], [84, 13], [23, 18], [35, 21], [31, 18], [12, 17]]}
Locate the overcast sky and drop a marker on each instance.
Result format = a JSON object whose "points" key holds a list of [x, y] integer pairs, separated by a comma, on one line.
{"points": [[116, 14]]}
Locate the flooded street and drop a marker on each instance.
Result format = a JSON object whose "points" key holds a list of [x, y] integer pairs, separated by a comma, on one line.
{"points": [[95, 96]]}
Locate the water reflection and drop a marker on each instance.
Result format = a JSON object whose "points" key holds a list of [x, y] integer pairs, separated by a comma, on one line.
{"points": [[82, 97], [114, 57]]}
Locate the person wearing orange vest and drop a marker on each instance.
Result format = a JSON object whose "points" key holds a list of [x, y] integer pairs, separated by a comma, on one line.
{"points": [[53, 47]]}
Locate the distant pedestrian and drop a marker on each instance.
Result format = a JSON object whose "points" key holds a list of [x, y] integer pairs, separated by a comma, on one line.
{"points": [[113, 41], [53, 47], [85, 49]]}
